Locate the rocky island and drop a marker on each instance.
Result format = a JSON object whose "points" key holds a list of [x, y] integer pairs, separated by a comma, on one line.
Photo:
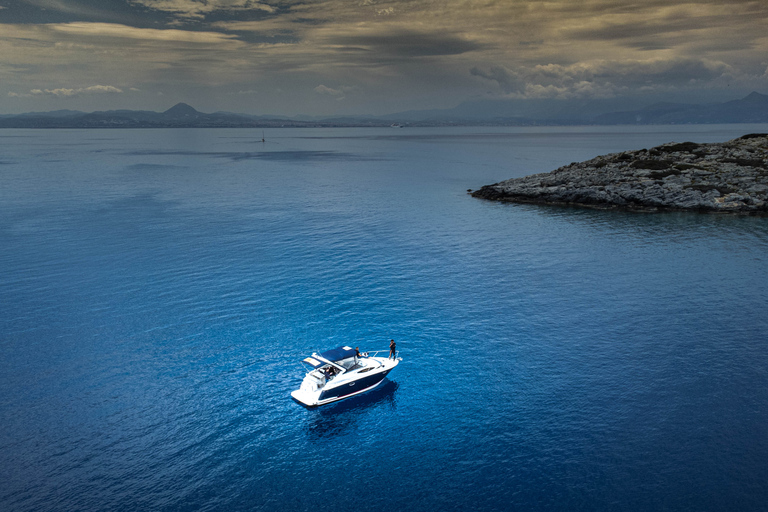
{"points": [[718, 177]]}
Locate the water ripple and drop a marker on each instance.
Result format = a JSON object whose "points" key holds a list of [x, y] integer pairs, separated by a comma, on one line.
{"points": [[155, 307]]}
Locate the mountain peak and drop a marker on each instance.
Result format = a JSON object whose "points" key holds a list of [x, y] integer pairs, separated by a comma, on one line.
{"points": [[181, 110], [756, 96]]}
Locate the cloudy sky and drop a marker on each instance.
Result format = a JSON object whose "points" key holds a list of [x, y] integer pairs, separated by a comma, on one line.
{"points": [[373, 56]]}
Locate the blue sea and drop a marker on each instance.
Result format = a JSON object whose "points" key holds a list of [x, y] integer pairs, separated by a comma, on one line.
{"points": [[158, 289]]}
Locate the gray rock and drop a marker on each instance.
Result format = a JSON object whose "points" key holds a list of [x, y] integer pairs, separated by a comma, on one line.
{"points": [[722, 177]]}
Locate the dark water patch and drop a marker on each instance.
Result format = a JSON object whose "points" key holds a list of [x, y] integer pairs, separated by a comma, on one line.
{"points": [[416, 136], [149, 205], [287, 156], [340, 418], [660, 227], [153, 167], [312, 155]]}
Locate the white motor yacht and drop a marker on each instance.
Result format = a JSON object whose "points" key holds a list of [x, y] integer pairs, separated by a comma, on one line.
{"points": [[340, 373]]}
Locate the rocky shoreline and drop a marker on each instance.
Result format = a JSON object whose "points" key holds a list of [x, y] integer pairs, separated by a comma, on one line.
{"points": [[718, 177]]}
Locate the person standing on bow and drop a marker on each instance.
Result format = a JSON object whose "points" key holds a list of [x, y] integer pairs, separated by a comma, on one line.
{"points": [[392, 349]]}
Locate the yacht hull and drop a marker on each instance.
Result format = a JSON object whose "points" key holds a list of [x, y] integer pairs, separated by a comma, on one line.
{"points": [[310, 401], [345, 387]]}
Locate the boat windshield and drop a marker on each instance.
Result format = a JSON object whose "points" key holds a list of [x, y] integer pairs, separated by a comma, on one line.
{"points": [[342, 359], [341, 356]]}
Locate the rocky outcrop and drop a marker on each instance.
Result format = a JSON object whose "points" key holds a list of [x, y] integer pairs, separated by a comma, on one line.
{"points": [[720, 177]]}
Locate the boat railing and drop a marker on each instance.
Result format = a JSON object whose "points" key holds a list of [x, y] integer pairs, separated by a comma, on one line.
{"points": [[376, 353], [309, 369]]}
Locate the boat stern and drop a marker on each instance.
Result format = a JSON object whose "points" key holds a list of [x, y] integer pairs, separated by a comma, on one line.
{"points": [[309, 392], [306, 398]]}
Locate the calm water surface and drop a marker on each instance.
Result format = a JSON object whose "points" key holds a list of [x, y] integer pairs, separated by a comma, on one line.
{"points": [[158, 288]]}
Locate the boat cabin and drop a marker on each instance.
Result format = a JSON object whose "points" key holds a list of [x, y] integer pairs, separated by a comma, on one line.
{"points": [[329, 364]]}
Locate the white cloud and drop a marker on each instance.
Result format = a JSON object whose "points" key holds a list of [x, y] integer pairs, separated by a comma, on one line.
{"points": [[114, 30], [339, 93], [321, 89], [65, 92], [603, 78]]}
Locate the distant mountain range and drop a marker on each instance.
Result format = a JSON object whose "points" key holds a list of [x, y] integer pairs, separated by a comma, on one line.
{"points": [[178, 116], [751, 109]]}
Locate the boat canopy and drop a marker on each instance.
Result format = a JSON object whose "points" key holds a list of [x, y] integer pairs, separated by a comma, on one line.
{"points": [[314, 363], [337, 354], [333, 355]]}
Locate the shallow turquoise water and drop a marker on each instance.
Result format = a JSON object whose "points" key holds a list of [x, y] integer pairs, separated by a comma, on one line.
{"points": [[158, 288]]}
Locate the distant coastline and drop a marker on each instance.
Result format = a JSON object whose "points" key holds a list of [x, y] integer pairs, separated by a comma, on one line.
{"points": [[728, 177], [750, 109]]}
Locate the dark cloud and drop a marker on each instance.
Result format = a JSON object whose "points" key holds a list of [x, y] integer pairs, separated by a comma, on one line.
{"points": [[508, 82], [407, 44], [679, 71], [66, 11], [135, 13], [679, 26], [636, 28], [649, 45]]}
